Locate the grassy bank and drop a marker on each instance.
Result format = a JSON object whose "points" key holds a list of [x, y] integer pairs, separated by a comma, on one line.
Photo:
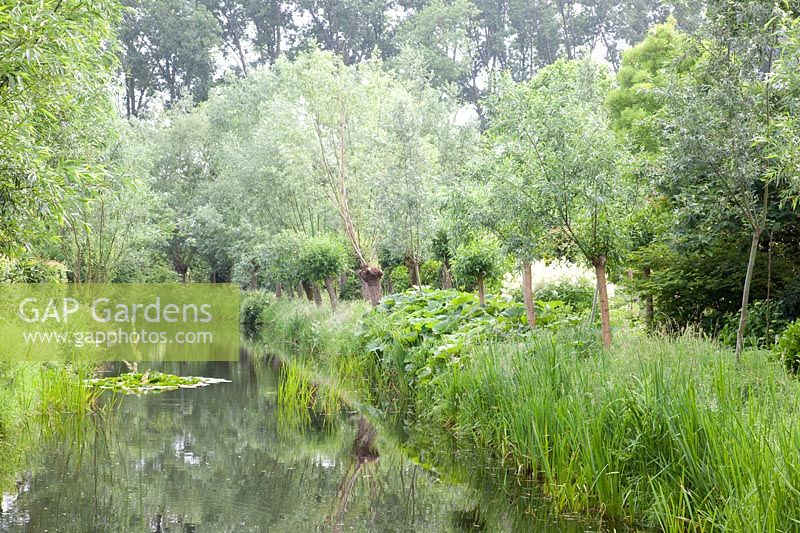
{"points": [[31, 394], [657, 432]]}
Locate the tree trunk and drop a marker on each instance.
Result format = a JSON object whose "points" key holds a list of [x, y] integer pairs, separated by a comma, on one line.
{"points": [[768, 331], [389, 285], [370, 276], [308, 290], [180, 267], [331, 292], [481, 291], [602, 295], [254, 281], [748, 278], [648, 302], [447, 277], [413, 271], [317, 295], [527, 293], [632, 297], [300, 291], [342, 283], [278, 291]]}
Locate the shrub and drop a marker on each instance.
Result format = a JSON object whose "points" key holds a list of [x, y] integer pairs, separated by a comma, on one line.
{"points": [[478, 259], [31, 270], [788, 347], [562, 281], [476, 263], [399, 278], [430, 273], [755, 331], [252, 307], [419, 333], [351, 290], [321, 257], [577, 294]]}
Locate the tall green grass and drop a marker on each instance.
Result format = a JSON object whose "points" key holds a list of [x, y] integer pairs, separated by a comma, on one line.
{"points": [[35, 395], [660, 432], [667, 433], [318, 339]]}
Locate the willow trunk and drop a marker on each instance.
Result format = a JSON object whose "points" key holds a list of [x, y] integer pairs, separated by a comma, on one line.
{"points": [[331, 292], [602, 296], [748, 279], [370, 276], [317, 295], [527, 293]]}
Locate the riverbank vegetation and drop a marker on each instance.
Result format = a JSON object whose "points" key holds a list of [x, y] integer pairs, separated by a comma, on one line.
{"points": [[418, 170], [660, 432], [33, 396]]}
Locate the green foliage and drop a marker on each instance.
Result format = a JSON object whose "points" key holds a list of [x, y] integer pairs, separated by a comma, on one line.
{"points": [[436, 40], [755, 333], [430, 329], [34, 397], [399, 278], [441, 246], [628, 430], [252, 307], [636, 106], [430, 273], [697, 284], [151, 381], [55, 111], [788, 347], [351, 289], [179, 57], [279, 258], [321, 257], [578, 294], [477, 259], [31, 271], [558, 170]]}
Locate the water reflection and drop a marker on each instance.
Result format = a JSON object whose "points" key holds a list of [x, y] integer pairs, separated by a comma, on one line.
{"points": [[222, 458], [218, 459]]}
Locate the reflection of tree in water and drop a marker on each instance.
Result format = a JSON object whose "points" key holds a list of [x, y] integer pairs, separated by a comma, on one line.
{"points": [[469, 520], [161, 524], [363, 458], [217, 459]]}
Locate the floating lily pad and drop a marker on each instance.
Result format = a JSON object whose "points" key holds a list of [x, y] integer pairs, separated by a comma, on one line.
{"points": [[143, 382]]}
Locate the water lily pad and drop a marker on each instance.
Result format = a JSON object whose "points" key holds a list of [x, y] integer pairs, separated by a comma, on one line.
{"points": [[143, 382]]}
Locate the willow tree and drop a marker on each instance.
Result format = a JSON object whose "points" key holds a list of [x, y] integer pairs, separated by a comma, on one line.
{"points": [[720, 162], [321, 259], [564, 164], [345, 123], [55, 109], [637, 110], [506, 203]]}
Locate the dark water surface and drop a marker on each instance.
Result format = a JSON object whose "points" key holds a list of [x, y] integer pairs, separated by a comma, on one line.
{"points": [[226, 458]]}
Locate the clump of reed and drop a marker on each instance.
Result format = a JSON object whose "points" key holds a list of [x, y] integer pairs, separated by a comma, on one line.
{"points": [[668, 433]]}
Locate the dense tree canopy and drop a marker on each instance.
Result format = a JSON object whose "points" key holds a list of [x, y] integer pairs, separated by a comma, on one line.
{"points": [[169, 47], [257, 128], [55, 111]]}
